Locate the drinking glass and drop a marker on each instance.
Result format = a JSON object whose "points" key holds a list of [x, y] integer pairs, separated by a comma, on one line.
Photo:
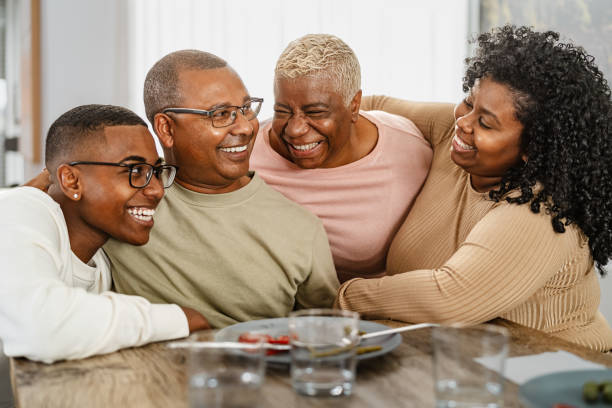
{"points": [[459, 378], [226, 375], [323, 345]]}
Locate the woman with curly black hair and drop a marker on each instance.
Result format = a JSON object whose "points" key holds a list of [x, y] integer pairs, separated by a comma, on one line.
{"points": [[516, 213]]}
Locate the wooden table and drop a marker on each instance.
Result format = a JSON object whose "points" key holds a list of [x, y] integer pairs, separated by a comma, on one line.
{"points": [[153, 376]]}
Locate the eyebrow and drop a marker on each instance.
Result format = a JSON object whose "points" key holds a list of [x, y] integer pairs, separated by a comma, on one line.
{"points": [[310, 105], [489, 113], [141, 159], [226, 104], [133, 158]]}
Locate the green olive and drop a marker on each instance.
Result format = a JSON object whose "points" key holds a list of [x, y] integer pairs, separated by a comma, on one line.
{"points": [[607, 393], [590, 391], [603, 384]]}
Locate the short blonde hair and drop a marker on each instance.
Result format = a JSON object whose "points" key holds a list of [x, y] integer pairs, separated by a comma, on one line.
{"points": [[321, 56]]}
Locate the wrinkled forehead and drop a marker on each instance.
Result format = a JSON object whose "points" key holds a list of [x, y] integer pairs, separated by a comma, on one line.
{"points": [[306, 89], [212, 87]]}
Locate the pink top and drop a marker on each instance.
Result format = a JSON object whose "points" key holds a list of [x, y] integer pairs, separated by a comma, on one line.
{"points": [[362, 204]]}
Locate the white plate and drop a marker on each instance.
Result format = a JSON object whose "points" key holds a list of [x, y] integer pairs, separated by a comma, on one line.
{"points": [[280, 326]]}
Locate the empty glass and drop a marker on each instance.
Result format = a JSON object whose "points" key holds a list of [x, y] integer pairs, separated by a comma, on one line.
{"points": [[323, 345], [459, 380], [225, 375]]}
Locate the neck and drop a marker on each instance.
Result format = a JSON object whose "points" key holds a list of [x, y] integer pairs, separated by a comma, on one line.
{"points": [[484, 184], [214, 189], [84, 240]]}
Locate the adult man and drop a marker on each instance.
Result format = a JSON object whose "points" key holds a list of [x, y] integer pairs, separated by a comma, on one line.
{"points": [[105, 181], [225, 243], [358, 171]]}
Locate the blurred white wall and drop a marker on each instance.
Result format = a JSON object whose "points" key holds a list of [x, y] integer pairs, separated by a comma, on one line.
{"points": [[411, 49]]}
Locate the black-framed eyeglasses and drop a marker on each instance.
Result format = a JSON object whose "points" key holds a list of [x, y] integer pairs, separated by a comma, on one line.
{"points": [[140, 174], [225, 115]]}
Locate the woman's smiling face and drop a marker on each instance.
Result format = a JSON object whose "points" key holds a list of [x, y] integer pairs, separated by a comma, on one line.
{"points": [[487, 141]]}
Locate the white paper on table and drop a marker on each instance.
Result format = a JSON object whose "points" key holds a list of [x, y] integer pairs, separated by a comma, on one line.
{"points": [[523, 368]]}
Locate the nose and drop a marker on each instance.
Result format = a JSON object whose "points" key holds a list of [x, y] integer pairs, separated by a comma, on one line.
{"points": [[296, 126], [154, 190], [242, 126], [465, 122]]}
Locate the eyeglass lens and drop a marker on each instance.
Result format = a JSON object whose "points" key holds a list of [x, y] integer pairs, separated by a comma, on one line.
{"points": [[141, 174], [227, 116]]}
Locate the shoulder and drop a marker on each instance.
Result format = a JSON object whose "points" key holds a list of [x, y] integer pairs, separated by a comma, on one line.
{"points": [[521, 223], [27, 203], [28, 214], [390, 121]]}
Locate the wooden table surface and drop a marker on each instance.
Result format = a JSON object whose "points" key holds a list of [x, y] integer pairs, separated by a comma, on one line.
{"points": [[153, 376]]}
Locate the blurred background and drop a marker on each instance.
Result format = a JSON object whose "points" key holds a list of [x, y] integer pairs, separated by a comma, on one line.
{"points": [[57, 54]]}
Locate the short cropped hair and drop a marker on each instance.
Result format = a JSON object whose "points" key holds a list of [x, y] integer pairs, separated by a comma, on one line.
{"points": [[80, 128], [161, 87], [322, 56]]}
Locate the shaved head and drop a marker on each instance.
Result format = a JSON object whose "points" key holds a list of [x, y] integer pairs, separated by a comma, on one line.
{"points": [[161, 87]]}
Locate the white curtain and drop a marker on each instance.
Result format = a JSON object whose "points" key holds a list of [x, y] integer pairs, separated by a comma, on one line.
{"points": [[406, 48]]}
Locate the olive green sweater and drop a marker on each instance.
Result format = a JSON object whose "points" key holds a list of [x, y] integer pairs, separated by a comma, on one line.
{"points": [[460, 257], [249, 254]]}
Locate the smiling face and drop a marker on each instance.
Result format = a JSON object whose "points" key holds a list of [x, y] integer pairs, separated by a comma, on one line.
{"points": [[312, 125], [211, 159], [109, 206], [487, 142]]}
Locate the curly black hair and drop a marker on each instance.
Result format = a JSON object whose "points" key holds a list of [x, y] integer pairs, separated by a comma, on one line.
{"points": [[563, 102]]}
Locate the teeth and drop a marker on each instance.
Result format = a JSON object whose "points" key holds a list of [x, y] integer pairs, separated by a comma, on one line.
{"points": [[463, 145], [305, 146], [236, 149], [141, 213]]}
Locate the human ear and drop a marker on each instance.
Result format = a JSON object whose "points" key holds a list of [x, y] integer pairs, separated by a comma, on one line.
{"points": [[354, 106], [69, 181], [162, 124]]}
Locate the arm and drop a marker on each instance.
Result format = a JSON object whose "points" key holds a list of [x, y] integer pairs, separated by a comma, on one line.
{"points": [[319, 289], [41, 181], [506, 258], [435, 120], [44, 319]]}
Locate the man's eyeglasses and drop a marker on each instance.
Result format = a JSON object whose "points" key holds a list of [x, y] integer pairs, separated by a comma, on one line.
{"points": [[140, 173], [225, 115]]}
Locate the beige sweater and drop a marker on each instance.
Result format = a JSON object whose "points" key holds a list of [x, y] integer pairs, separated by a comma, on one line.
{"points": [[460, 257]]}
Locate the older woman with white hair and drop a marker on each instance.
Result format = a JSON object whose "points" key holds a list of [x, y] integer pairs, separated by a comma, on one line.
{"points": [[358, 171]]}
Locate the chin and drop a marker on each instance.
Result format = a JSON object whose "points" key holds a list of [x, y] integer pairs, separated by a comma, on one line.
{"points": [[138, 240]]}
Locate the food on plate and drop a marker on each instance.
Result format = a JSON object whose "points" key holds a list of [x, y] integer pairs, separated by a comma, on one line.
{"points": [[591, 390], [607, 392], [368, 349], [250, 337]]}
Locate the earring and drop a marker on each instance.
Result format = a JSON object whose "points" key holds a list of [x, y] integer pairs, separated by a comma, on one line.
{"points": [[76, 195]]}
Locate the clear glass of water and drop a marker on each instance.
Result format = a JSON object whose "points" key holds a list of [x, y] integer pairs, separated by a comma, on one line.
{"points": [[468, 366], [224, 376], [323, 345]]}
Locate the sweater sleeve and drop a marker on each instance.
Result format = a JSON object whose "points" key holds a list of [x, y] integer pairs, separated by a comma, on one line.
{"points": [[435, 120], [321, 285], [44, 319], [505, 259]]}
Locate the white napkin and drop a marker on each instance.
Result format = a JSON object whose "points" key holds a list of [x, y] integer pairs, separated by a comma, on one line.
{"points": [[524, 368]]}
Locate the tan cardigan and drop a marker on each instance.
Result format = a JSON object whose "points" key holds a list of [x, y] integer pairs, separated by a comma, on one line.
{"points": [[460, 257]]}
